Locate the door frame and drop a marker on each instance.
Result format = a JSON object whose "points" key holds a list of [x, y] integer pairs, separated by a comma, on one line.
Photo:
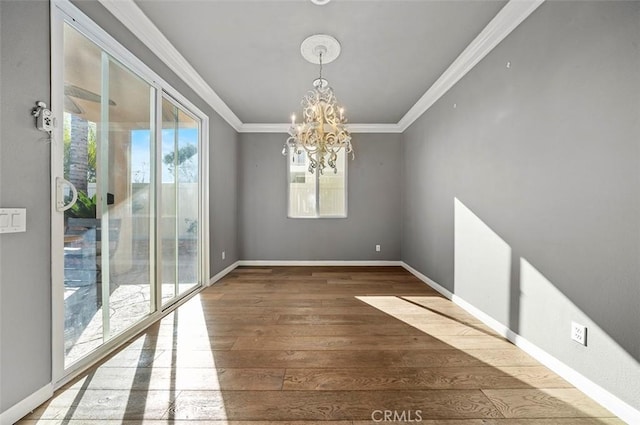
{"points": [[63, 11]]}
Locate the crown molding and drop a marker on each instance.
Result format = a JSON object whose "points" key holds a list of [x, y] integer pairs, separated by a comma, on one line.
{"points": [[132, 17], [353, 128], [374, 128], [264, 128], [509, 17]]}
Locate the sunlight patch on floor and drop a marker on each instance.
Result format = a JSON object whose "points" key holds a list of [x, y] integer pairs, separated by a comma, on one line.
{"points": [[438, 317]]}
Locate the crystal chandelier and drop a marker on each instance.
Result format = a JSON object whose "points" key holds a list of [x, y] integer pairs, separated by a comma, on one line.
{"points": [[322, 132]]}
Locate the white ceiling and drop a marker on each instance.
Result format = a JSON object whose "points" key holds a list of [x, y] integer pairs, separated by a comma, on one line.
{"points": [[246, 53]]}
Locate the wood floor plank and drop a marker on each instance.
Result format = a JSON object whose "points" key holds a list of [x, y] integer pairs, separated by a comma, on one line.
{"points": [[84, 404], [251, 270], [341, 301], [468, 342], [437, 328], [130, 357], [421, 378], [187, 342], [421, 342], [550, 403], [237, 318], [319, 345], [317, 330], [221, 310], [342, 358], [290, 301], [329, 405], [334, 319], [178, 379], [433, 309], [391, 342]]}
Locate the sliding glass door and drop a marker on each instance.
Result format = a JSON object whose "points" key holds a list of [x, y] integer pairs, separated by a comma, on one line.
{"points": [[107, 257], [179, 211], [128, 198]]}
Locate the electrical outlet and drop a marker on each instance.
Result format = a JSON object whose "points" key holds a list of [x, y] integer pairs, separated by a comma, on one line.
{"points": [[377, 248], [224, 255], [579, 333]]}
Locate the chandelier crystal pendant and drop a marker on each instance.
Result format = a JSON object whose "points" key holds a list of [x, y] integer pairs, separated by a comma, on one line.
{"points": [[322, 132]]}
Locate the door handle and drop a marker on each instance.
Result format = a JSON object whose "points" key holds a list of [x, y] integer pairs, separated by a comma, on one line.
{"points": [[60, 184]]}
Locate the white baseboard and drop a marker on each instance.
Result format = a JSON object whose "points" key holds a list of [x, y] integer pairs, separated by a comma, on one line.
{"points": [[445, 292], [275, 263], [223, 273], [609, 401], [500, 329], [616, 406], [27, 405], [584, 384]]}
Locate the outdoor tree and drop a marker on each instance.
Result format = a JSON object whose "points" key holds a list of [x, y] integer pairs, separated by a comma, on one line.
{"points": [[79, 140], [187, 171]]}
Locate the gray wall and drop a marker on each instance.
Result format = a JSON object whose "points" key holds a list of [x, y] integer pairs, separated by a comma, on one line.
{"points": [[25, 277], [536, 172], [373, 204], [223, 198]]}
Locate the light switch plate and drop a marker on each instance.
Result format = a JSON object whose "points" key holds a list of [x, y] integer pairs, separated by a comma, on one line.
{"points": [[13, 220]]}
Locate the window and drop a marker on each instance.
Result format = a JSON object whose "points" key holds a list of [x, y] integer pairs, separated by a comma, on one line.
{"points": [[315, 195]]}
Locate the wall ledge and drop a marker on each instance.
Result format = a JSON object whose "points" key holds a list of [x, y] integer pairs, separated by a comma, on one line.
{"points": [[618, 407]]}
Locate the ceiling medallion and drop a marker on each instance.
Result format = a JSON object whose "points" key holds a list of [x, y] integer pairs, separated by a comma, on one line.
{"points": [[322, 132], [320, 2]]}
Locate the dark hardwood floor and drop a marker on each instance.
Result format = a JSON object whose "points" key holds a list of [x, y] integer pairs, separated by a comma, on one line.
{"points": [[316, 345]]}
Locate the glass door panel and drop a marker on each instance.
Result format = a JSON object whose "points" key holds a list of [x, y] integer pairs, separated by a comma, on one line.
{"points": [[130, 231], [133, 240], [108, 251], [180, 201]]}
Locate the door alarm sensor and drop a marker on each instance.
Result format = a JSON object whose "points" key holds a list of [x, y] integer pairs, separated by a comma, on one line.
{"points": [[44, 117]]}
